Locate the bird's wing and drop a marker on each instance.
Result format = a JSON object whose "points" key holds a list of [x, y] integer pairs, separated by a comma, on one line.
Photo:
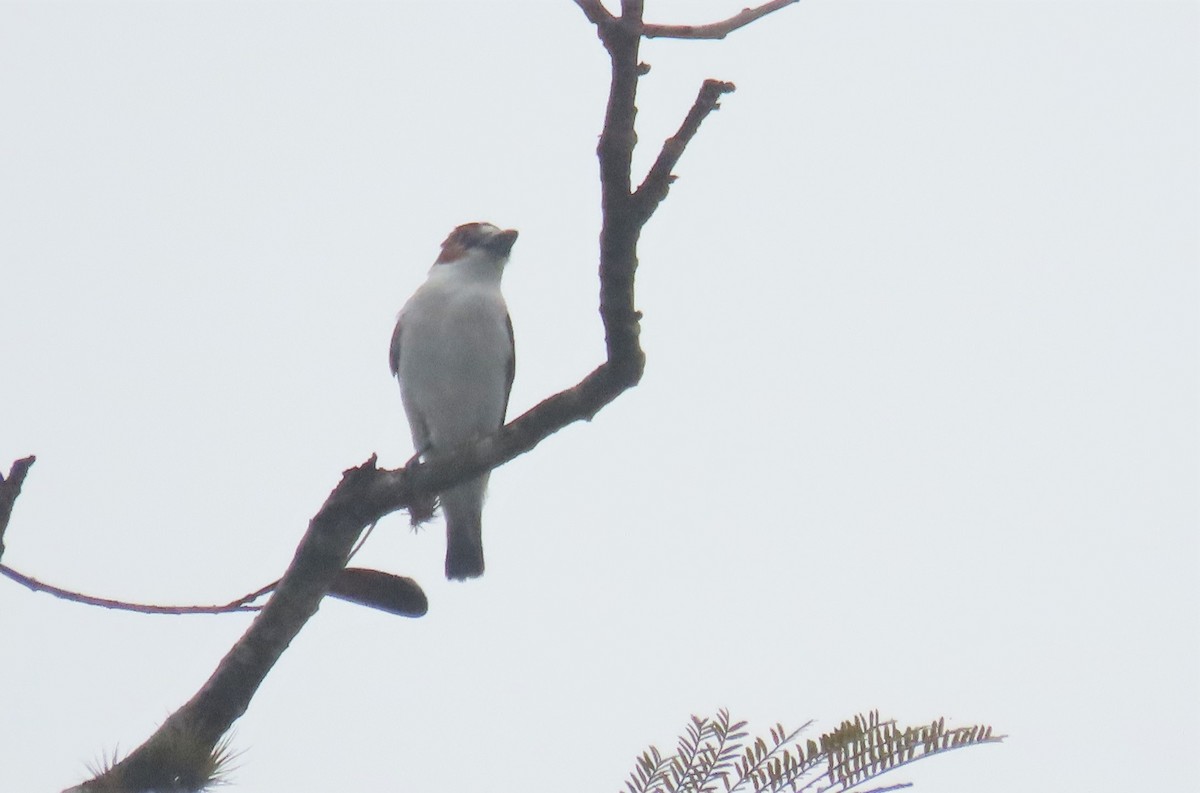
{"points": [[511, 368], [394, 351]]}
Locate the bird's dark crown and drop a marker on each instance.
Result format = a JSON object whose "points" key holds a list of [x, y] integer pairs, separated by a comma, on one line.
{"points": [[471, 236]]}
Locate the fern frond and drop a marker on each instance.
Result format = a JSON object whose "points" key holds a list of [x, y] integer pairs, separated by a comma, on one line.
{"points": [[862, 749], [648, 771], [771, 767], [715, 754]]}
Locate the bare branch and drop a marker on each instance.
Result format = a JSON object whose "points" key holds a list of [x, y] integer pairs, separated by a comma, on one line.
{"points": [[10, 488], [714, 30], [372, 588], [595, 11], [364, 495], [621, 229], [658, 180], [241, 604], [367, 493], [227, 693]]}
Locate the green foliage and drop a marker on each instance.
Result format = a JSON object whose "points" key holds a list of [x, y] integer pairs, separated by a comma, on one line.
{"points": [[717, 756]]}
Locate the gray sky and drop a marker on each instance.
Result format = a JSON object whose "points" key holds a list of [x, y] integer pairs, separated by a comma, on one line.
{"points": [[918, 429]]}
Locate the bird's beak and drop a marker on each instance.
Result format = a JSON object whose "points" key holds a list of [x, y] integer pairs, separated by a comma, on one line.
{"points": [[502, 242]]}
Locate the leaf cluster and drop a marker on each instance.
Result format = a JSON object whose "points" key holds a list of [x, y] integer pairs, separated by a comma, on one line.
{"points": [[717, 755]]}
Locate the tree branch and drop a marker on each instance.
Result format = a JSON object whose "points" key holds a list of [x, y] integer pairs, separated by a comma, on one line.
{"points": [[373, 588], [367, 493], [227, 693], [595, 11], [10, 488], [659, 178], [620, 229], [715, 30], [364, 495], [241, 604]]}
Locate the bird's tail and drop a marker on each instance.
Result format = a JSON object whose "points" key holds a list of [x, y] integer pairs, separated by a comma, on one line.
{"points": [[463, 508]]}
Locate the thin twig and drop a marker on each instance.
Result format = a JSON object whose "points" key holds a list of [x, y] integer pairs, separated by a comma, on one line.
{"points": [[10, 488], [241, 604], [658, 179], [714, 30]]}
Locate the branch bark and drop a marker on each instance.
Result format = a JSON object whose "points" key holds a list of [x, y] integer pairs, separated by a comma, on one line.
{"points": [[595, 11], [715, 30], [658, 180], [34, 585], [10, 488], [366, 493]]}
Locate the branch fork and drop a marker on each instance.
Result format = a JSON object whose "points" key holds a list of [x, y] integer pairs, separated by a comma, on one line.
{"points": [[367, 493]]}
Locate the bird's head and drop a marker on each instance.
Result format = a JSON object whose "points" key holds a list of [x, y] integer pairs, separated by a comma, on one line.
{"points": [[481, 241]]}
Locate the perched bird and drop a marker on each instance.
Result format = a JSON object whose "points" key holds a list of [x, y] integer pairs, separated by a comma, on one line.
{"points": [[453, 352]]}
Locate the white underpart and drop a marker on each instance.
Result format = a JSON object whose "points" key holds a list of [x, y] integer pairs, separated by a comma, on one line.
{"points": [[454, 354]]}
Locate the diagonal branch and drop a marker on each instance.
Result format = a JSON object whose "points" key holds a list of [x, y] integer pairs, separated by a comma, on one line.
{"points": [[366, 493], [595, 11], [658, 180], [10, 488], [714, 30], [227, 693]]}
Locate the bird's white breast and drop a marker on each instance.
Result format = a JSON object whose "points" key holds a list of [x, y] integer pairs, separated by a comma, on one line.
{"points": [[455, 353]]}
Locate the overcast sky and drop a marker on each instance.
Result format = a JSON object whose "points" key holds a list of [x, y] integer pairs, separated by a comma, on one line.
{"points": [[918, 429]]}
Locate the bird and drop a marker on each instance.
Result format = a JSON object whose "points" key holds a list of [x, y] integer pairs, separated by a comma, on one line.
{"points": [[453, 353]]}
